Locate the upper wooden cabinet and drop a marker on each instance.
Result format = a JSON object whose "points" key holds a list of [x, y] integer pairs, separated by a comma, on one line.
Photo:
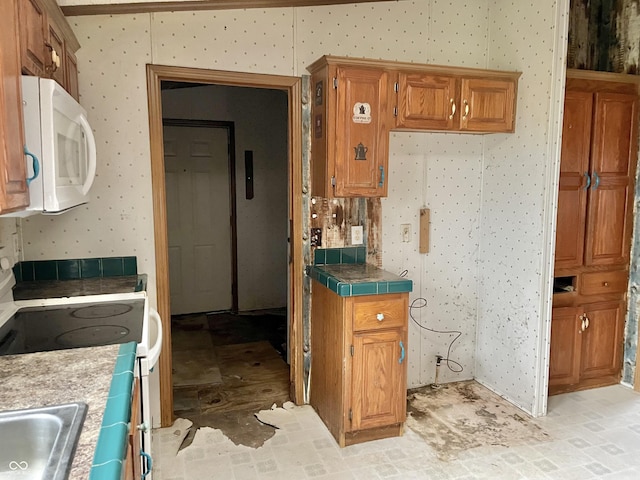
{"points": [[428, 101], [595, 202], [357, 102], [47, 43], [14, 194], [350, 131]]}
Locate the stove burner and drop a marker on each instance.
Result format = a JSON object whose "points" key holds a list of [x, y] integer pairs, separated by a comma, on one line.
{"points": [[103, 310], [90, 336]]}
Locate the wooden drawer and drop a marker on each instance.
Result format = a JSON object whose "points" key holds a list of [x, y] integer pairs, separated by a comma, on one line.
{"points": [[379, 311], [597, 283]]}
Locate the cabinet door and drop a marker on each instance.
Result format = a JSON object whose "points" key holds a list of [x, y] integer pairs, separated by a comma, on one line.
{"points": [[378, 395], [133, 465], [54, 55], [602, 340], [361, 133], [13, 167], [32, 37], [487, 105], [574, 179], [426, 102], [566, 341], [613, 153], [71, 74]]}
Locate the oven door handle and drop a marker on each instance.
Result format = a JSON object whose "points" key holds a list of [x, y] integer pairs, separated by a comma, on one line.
{"points": [[154, 350]]}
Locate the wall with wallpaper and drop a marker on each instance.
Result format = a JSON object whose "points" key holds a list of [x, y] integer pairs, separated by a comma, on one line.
{"points": [[261, 221], [485, 273]]}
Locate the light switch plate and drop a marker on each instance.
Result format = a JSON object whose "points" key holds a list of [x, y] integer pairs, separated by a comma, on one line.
{"points": [[356, 235]]}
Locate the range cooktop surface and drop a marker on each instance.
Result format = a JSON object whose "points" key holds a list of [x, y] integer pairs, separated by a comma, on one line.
{"points": [[58, 327]]}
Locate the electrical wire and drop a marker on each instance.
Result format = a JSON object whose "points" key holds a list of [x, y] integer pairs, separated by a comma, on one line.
{"points": [[457, 333]]}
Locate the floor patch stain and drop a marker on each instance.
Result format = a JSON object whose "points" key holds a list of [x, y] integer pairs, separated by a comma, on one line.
{"points": [[464, 415]]}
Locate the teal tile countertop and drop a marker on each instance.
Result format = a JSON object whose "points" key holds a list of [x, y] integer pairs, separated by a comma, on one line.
{"points": [[354, 277], [111, 448]]}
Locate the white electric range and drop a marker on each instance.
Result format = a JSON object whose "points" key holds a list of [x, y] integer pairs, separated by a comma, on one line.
{"points": [[45, 324]]}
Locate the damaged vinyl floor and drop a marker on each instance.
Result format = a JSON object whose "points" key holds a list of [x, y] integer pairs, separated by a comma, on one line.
{"points": [[593, 434], [459, 416], [225, 369]]}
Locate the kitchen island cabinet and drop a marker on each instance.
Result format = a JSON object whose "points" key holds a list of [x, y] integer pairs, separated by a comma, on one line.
{"points": [[358, 373], [358, 342]]}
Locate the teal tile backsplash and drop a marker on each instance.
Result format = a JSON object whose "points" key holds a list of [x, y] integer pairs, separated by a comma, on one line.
{"points": [[75, 269], [332, 256]]}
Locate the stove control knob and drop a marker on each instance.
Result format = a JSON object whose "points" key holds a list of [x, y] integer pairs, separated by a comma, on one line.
{"points": [[5, 263]]}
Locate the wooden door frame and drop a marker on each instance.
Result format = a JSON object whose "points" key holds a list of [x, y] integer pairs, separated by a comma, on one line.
{"points": [[231, 162], [293, 87]]}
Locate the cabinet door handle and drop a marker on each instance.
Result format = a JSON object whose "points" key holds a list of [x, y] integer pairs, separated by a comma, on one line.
{"points": [[586, 322], [581, 318], [466, 110], [586, 174], [402, 352], [36, 165], [453, 108], [596, 180], [380, 317], [381, 182], [148, 464]]}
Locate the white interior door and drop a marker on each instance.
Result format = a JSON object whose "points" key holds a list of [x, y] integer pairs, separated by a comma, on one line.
{"points": [[198, 218]]}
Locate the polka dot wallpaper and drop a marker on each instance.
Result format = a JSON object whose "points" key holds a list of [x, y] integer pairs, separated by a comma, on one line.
{"points": [[483, 274]]}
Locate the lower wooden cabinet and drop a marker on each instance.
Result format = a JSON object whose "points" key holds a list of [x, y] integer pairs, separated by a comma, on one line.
{"points": [[132, 466], [358, 371], [586, 347]]}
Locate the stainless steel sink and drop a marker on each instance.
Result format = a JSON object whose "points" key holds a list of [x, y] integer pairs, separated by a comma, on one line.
{"points": [[39, 443]]}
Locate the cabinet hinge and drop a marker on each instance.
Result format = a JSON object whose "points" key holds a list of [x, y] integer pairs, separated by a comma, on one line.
{"points": [[352, 350], [335, 82], [333, 181], [350, 415], [396, 87]]}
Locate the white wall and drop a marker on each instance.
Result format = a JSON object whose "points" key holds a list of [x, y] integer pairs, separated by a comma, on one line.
{"points": [[260, 124], [487, 193], [519, 178]]}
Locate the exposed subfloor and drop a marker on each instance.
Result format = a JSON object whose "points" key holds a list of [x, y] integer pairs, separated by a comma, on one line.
{"points": [[228, 367], [593, 434]]}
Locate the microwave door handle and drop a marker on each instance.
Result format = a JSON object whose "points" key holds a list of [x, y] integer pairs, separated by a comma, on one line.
{"points": [[36, 165], [91, 150]]}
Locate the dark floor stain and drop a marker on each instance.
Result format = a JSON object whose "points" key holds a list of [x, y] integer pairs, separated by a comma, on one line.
{"points": [[232, 405]]}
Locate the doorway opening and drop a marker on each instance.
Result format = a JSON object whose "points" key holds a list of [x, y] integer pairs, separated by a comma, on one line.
{"points": [[291, 86]]}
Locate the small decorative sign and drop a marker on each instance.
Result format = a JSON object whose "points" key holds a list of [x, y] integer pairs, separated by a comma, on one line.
{"points": [[317, 126], [361, 113], [361, 151], [318, 93]]}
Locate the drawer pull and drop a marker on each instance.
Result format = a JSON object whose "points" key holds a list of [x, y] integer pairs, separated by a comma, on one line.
{"points": [[380, 317], [605, 284]]}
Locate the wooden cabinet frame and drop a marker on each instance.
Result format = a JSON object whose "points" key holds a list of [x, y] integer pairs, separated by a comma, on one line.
{"points": [[594, 227], [358, 371]]}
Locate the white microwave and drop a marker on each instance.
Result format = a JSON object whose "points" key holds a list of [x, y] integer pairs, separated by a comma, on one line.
{"points": [[59, 145]]}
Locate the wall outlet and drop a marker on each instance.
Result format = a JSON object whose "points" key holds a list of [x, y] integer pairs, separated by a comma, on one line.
{"points": [[356, 235], [406, 232]]}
